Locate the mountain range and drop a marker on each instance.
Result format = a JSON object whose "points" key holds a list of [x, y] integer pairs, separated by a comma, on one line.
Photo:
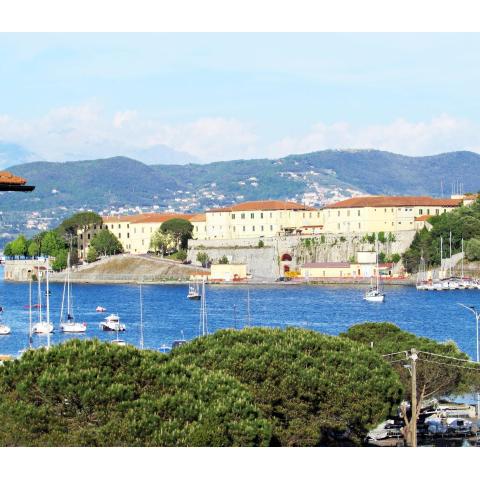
{"points": [[314, 178]]}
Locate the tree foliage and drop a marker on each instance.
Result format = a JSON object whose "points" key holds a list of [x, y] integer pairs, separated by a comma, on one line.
{"points": [[203, 258], [88, 393], [181, 230], [314, 388], [162, 242], [472, 249], [463, 222], [92, 255], [437, 379], [106, 243], [19, 246]]}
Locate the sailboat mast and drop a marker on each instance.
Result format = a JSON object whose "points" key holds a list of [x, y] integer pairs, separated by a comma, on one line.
{"points": [[68, 287], [450, 265], [30, 312], [48, 305], [141, 318], [462, 258], [441, 254], [39, 295], [377, 265], [248, 306], [203, 312]]}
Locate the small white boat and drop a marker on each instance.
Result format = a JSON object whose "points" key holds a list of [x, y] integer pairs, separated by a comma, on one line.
{"points": [[374, 294], [4, 329], [100, 309], [112, 324], [193, 293], [73, 327], [42, 327]]}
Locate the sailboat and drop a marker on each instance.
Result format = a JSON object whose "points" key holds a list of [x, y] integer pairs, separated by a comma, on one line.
{"points": [[69, 325], [4, 329], [203, 327], [193, 293], [43, 327], [374, 294]]}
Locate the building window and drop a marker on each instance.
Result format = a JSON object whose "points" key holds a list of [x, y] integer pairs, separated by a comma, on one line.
{"points": [[95, 227], [271, 227], [119, 235], [253, 228], [243, 216], [119, 226], [234, 229], [261, 228], [428, 211], [420, 211], [252, 215], [338, 226], [128, 234], [112, 227], [348, 213], [143, 241], [437, 211], [233, 216], [359, 226], [88, 236], [358, 213], [261, 214], [128, 225], [243, 228], [196, 228], [338, 213]]}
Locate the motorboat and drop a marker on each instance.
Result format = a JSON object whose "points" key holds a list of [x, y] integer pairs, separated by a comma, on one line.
{"points": [[4, 329], [193, 293], [100, 309], [112, 324]]}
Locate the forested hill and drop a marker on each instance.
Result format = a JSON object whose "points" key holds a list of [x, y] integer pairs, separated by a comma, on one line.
{"points": [[323, 176]]}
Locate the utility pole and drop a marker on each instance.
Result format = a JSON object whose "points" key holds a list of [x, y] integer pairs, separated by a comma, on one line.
{"points": [[413, 421]]}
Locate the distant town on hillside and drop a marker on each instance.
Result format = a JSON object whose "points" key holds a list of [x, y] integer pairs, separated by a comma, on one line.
{"points": [[122, 185]]}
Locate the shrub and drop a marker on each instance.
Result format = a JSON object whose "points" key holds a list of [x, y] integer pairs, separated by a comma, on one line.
{"points": [[261, 244], [203, 258], [223, 260], [314, 388], [88, 393], [472, 249], [92, 255]]}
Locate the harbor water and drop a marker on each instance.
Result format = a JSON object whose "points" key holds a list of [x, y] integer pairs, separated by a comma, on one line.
{"points": [[168, 314]]}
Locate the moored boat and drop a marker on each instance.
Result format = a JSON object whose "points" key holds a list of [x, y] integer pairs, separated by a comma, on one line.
{"points": [[112, 324]]}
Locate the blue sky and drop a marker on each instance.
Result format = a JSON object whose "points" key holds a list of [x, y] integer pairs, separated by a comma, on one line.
{"points": [[222, 96]]}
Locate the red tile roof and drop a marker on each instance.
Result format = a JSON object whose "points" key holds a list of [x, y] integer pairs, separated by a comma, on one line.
{"points": [[10, 179], [422, 218], [379, 201], [155, 217], [201, 217], [263, 205]]}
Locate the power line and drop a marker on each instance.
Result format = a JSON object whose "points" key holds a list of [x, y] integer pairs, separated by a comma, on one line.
{"points": [[450, 358], [450, 365]]}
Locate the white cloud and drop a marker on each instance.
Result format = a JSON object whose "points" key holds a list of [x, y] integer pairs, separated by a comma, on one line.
{"points": [[87, 131], [440, 134]]}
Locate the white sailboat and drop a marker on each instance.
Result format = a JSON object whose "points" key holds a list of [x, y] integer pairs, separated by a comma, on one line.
{"points": [[43, 326], [193, 291], [203, 327], [68, 324], [374, 294]]}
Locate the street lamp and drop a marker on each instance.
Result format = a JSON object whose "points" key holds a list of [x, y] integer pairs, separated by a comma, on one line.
{"points": [[477, 316]]}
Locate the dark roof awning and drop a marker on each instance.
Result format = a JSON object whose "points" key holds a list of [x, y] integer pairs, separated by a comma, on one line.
{"points": [[5, 187]]}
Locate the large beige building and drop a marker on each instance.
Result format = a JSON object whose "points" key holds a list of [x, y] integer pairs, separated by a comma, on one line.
{"points": [[382, 214], [133, 231], [266, 218]]}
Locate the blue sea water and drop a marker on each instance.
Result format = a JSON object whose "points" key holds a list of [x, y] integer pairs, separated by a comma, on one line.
{"points": [[168, 315]]}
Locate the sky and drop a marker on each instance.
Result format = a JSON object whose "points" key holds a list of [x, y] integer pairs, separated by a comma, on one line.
{"points": [[229, 96]]}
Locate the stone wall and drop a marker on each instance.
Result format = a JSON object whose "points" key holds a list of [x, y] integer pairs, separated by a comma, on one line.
{"points": [[265, 262]]}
